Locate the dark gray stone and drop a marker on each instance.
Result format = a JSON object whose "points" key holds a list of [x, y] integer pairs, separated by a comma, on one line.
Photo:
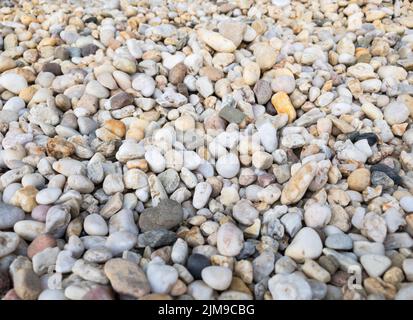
{"points": [[121, 100], [89, 49], [156, 238], [168, 214], [196, 263], [380, 178], [391, 173]]}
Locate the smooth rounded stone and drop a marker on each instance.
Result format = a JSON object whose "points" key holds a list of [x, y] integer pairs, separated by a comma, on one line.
{"points": [[199, 290], [285, 265], [268, 137], [284, 83], [179, 251], [196, 263], [27, 284], [127, 278], [375, 265], [251, 73], [6, 63], [265, 56], [228, 166], [156, 160], [89, 271], [121, 241], [405, 292], [185, 123], [406, 203], [359, 179], [296, 187], [124, 64], [232, 30], [9, 242], [167, 214], [9, 215], [9, 192], [395, 113], [289, 287], [216, 41], [305, 245], [97, 255], [14, 104], [201, 196], [361, 71], [129, 150], [68, 167], [217, 277], [244, 212], [339, 241], [314, 271], [144, 84], [95, 225], [113, 183], [34, 179], [161, 277], [13, 82], [361, 248], [191, 160], [392, 72], [29, 230], [317, 215], [230, 240], [262, 160], [39, 212], [80, 183], [52, 294]]}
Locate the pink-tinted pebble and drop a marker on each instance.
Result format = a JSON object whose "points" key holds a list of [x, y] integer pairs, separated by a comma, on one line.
{"points": [[11, 295], [99, 293], [39, 213], [40, 243]]}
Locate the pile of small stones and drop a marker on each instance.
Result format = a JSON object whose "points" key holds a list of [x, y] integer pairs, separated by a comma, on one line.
{"points": [[164, 149]]}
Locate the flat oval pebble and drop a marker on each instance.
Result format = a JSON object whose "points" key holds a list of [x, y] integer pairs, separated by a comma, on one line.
{"points": [[218, 278], [48, 195]]}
